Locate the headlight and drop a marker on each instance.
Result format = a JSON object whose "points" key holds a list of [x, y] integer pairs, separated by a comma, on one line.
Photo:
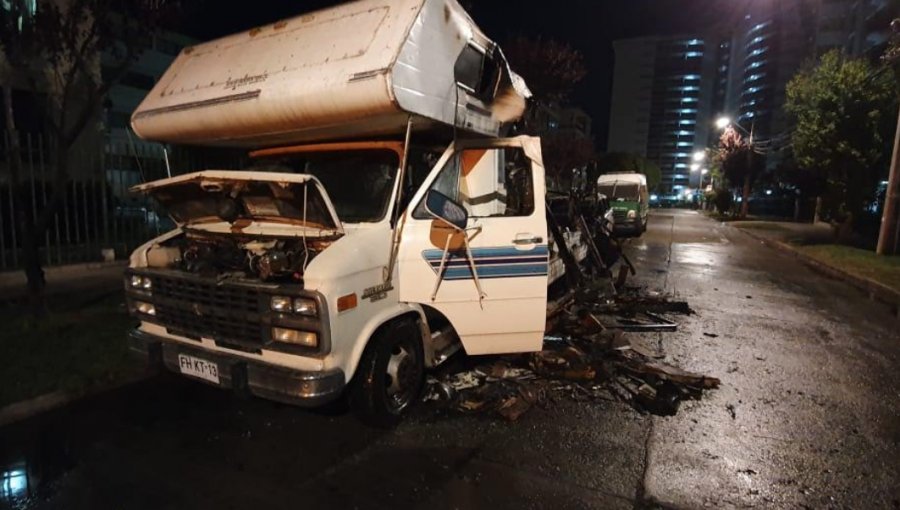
{"points": [[632, 214], [300, 305], [294, 336], [140, 282], [304, 306], [280, 304]]}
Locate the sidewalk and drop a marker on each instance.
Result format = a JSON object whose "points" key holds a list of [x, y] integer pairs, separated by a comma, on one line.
{"points": [[879, 277], [77, 349], [72, 279]]}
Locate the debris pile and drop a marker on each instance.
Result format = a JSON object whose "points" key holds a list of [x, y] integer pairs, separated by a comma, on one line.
{"points": [[603, 368], [589, 359]]}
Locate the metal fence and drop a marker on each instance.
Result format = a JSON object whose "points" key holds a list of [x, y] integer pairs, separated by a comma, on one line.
{"points": [[97, 213]]}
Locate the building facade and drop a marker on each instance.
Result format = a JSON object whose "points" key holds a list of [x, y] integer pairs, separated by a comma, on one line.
{"points": [[669, 91], [663, 92]]}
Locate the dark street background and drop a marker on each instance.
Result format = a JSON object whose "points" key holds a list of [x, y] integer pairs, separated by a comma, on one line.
{"points": [[806, 417]]}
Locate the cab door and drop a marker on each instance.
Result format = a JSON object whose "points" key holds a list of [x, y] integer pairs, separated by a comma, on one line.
{"points": [[493, 291]]}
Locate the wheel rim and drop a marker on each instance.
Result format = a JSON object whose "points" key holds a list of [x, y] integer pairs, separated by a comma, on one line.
{"points": [[400, 377]]}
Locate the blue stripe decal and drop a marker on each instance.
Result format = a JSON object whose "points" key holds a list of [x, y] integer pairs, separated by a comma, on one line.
{"points": [[488, 262], [496, 262]]}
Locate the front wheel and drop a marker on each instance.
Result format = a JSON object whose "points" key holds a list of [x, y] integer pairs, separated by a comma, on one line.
{"points": [[390, 375]]}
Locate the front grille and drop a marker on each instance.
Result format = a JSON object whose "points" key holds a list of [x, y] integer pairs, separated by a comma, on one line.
{"points": [[620, 214], [208, 293], [194, 308]]}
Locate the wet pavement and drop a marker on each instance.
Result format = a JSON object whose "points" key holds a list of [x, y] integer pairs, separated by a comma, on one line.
{"points": [[807, 416]]}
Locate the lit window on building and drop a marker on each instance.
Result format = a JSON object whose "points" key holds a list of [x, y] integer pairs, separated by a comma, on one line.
{"points": [[760, 26], [29, 6]]}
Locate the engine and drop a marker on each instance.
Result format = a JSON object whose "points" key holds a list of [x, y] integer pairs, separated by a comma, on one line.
{"points": [[224, 256]]}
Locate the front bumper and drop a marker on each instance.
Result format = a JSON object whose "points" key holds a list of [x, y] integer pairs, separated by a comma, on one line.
{"points": [[630, 226], [264, 380]]}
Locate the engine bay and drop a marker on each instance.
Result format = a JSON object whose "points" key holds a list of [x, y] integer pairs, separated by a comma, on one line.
{"points": [[221, 256]]}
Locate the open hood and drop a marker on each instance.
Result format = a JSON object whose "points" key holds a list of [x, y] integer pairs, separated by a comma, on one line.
{"points": [[246, 200]]}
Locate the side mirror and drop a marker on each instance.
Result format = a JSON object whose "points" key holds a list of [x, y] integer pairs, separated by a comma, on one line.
{"points": [[442, 207]]}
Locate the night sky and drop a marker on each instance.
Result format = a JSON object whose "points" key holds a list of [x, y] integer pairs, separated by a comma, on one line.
{"points": [[588, 25]]}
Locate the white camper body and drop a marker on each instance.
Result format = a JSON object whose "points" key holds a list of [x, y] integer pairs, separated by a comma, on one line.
{"points": [[357, 70]]}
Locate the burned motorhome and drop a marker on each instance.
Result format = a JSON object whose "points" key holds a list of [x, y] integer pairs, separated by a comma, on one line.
{"points": [[385, 225]]}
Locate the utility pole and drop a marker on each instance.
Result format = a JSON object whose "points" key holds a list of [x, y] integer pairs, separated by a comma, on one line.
{"points": [[745, 193], [887, 236]]}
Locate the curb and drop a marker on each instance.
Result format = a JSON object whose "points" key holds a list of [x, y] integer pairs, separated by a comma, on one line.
{"points": [[875, 290], [28, 408], [16, 277]]}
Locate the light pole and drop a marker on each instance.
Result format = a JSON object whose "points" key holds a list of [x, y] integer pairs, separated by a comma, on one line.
{"points": [[699, 158], [724, 123]]}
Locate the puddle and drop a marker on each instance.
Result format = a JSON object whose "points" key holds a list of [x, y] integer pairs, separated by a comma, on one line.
{"points": [[30, 461], [16, 486]]}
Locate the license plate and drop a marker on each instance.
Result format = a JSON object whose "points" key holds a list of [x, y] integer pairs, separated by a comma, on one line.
{"points": [[197, 367]]}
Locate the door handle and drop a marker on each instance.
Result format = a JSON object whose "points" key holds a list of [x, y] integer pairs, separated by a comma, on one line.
{"points": [[529, 240]]}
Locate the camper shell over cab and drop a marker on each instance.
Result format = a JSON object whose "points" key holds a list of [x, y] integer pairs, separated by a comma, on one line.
{"points": [[345, 264], [355, 71]]}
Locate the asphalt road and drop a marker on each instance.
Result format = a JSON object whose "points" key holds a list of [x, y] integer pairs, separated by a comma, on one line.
{"points": [[807, 416]]}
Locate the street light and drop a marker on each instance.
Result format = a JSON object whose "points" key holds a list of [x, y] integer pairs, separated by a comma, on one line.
{"points": [[703, 173], [726, 122], [695, 167], [699, 156]]}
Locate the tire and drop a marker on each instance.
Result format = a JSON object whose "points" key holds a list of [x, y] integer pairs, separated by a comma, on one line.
{"points": [[390, 375]]}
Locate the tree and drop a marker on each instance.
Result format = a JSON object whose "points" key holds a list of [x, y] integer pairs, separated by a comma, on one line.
{"points": [[628, 162], [845, 114], [56, 53], [739, 164], [550, 68], [562, 153]]}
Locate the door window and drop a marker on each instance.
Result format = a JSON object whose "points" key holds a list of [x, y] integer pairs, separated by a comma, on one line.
{"points": [[477, 71], [488, 183]]}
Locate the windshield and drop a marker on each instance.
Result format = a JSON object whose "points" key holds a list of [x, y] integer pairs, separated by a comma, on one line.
{"points": [[622, 191], [200, 201], [359, 182]]}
